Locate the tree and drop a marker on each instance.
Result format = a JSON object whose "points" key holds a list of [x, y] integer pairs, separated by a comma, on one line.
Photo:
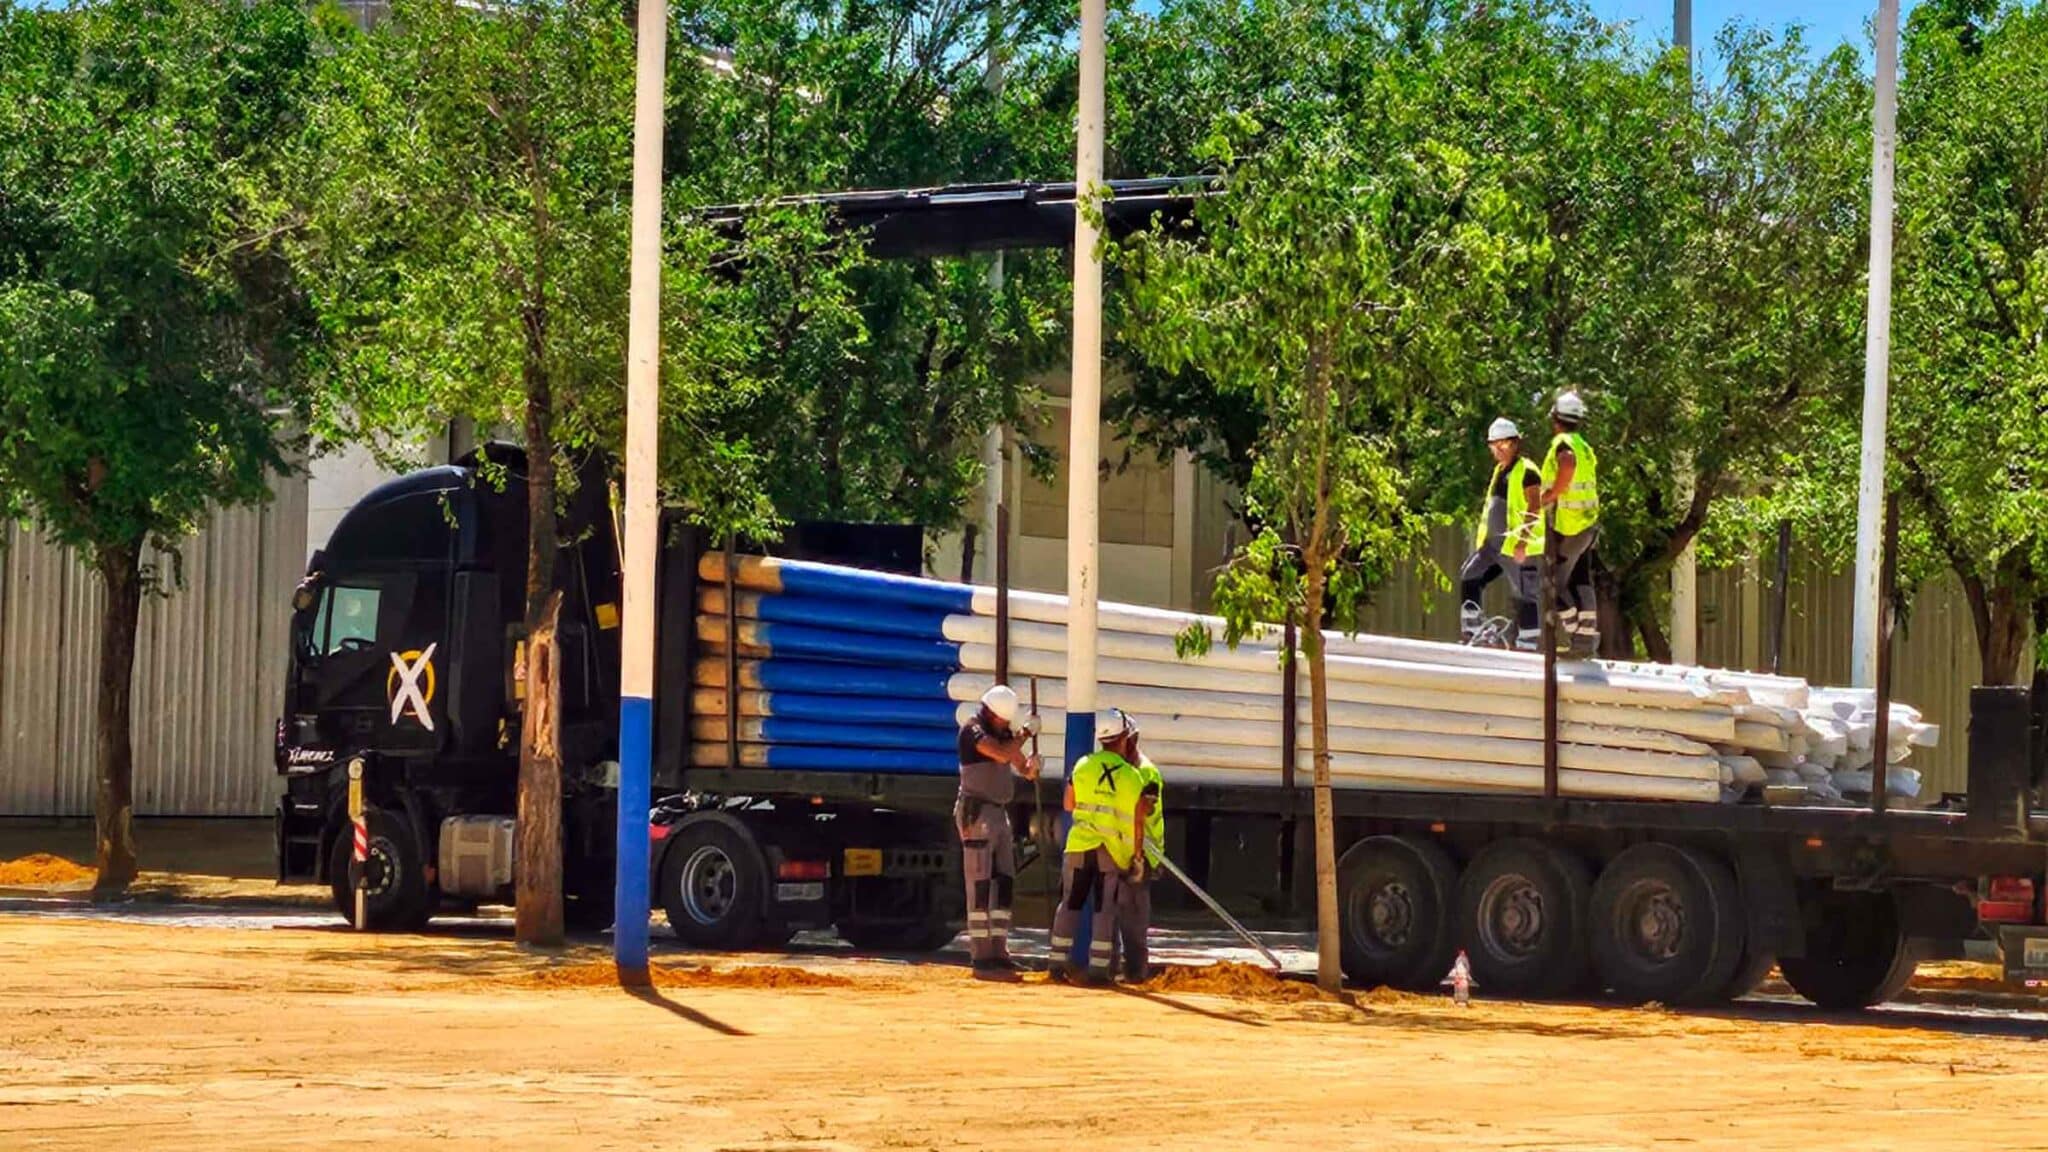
{"points": [[1970, 430], [466, 201], [1326, 280], [881, 376], [151, 334]]}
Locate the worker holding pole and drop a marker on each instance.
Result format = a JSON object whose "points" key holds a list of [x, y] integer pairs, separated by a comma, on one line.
{"points": [[1105, 796], [992, 746], [1571, 484], [1134, 903], [1509, 539]]}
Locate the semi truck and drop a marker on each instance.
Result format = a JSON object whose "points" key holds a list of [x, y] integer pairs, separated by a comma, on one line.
{"points": [[406, 637]]}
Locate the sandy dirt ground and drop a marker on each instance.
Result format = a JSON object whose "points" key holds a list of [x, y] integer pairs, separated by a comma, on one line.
{"points": [[146, 1036]]}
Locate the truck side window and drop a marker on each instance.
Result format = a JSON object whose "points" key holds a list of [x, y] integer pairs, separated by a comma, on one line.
{"points": [[347, 620]]}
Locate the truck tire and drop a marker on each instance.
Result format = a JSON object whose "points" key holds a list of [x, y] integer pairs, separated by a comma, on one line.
{"points": [[1667, 925], [1522, 919], [1396, 899], [397, 897], [714, 886], [1857, 955]]}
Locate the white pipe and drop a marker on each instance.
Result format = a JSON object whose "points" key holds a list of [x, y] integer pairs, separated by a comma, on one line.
{"points": [[1084, 486], [1877, 352]]}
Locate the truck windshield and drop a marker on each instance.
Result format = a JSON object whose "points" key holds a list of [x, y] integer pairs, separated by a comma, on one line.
{"points": [[347, 621]]}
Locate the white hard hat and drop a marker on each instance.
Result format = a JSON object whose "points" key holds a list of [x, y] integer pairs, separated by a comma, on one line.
{"points": [[1112, 723], [1502, 429], [1569, 407], [1001, 700]]}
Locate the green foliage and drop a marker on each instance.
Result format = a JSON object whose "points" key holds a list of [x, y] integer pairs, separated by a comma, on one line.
{"points": [[150, 333], [880, 376], [1328, 284], [1970, 425]]}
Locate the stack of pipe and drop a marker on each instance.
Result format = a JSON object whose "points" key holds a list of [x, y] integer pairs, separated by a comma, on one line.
{"points": [[846, 670]]}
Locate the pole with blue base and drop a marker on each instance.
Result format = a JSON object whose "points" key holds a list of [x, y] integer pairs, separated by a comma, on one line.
{"points": [[1084, 452], [642, 513]]}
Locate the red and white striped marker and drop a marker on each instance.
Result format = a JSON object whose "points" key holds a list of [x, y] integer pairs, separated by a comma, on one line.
{"points": [[362, 842]]}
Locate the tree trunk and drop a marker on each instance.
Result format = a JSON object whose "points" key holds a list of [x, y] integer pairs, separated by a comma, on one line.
{"points": [[2001, 637], [1615, 627], [1329, 954], [537, 916], [120, 571], [1656, 645], [538, 891], [2040, 693]]}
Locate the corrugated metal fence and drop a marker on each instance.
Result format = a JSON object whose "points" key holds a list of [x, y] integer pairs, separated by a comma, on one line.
{"points": [[1935, 661], [209, 670]]}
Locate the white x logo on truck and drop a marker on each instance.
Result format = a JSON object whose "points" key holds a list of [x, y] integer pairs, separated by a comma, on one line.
{"points": [[414, 685]]}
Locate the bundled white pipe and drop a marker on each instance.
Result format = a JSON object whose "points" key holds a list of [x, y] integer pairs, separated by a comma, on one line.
{"points": [[1705, 723], [1189, 723]]}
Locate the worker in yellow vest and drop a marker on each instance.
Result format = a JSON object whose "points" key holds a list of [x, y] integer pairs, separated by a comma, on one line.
{"points": [[1134, 904], [1571, 485], [1509, 539], [1103, 793]]}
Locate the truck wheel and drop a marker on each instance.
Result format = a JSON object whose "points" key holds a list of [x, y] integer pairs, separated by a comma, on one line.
{"points": [[1395, 899], [395, 876], [1667, 925], [1522, 918], [1857, 956], [713, 886]]}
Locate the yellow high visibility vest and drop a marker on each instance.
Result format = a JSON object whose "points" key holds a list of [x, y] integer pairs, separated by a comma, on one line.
{"points": [[1520, 528], [1578, 506], [1155, 820], [1106, 792]]}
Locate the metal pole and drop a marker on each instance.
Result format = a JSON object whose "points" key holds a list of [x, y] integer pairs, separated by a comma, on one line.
{"points": [[1876, 353], [1685, 586], [1002, 551], [1084, 447], [1290, 755], [643, 400], [1548, 633], [1881, 736], [732, 657]]}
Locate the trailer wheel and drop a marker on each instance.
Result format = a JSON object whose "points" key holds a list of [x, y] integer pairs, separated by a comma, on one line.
{"points": [[1857, 954], [1667, 925], [1522, 918], [714, 886], [395, 884], [1396, 896]]}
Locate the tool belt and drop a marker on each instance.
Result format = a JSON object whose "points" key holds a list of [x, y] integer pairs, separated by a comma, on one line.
{"points": [[967, 809]]}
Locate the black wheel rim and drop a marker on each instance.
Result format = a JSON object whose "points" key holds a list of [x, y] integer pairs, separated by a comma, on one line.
{"points": [[1652, 918], [1512, 920], [710, 885]]}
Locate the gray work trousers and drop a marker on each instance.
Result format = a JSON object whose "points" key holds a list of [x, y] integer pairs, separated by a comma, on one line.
{"points": [[1578, 611], [1085, 874], [988, 857], [1133, 923]]}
